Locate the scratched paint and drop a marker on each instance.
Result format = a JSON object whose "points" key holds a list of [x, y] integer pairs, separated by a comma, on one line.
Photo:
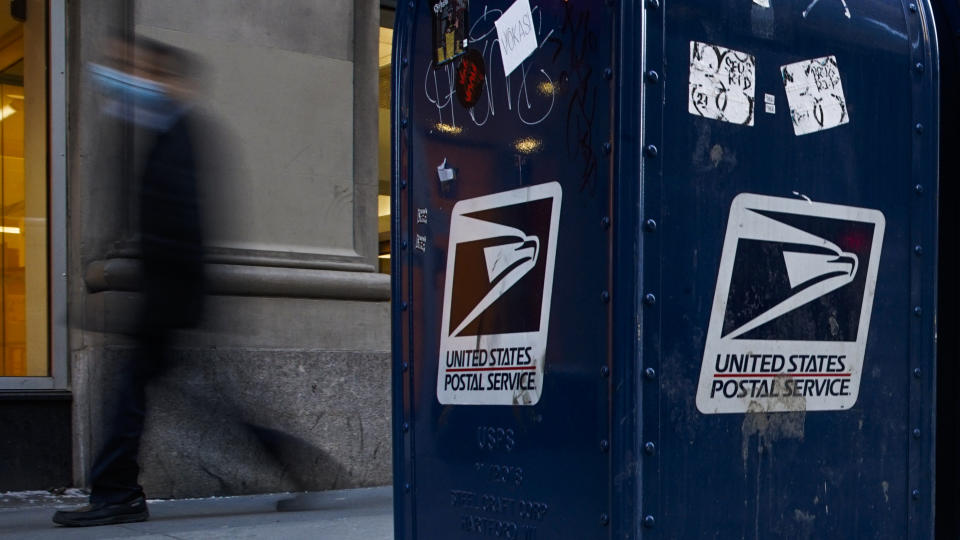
{"points": [[815, 95], [813, 3], [722, 83]]}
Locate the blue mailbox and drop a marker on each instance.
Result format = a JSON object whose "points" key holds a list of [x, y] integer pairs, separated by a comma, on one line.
{"points": [[664, 269]]}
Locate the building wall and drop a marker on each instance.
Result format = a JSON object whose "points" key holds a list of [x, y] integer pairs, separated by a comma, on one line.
{"points": [[296, 334]]}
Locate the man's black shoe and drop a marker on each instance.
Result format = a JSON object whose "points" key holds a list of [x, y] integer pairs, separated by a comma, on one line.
{"points": [[104, 514]]}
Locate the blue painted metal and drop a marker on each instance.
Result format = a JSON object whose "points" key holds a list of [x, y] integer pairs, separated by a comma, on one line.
{"points": [[616, 446]]}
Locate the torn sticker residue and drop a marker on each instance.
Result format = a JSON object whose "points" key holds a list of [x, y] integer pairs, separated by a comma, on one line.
{"points": [[815, 95], [721, 83]]}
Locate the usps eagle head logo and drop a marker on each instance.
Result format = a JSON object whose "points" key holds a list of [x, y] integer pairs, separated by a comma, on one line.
{"points": [[791, 279]]}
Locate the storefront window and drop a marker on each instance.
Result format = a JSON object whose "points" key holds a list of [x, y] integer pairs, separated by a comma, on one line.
{"points": [[23, 201], [383, 197]]}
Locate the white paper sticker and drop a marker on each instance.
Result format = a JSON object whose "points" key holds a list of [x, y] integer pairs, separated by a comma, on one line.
{"points": [[496, 297], [815, 95], [762, 3], [770, 108], [792, 305], [722, 83], [516, 35]]}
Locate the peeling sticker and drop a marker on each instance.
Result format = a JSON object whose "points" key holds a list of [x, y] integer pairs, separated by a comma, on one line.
{"points": [[450, 29], [516, 35], [421, 243], [815, 95], [791, 309], [421, 215], [445, 172], [496, 297], [721, 83]]}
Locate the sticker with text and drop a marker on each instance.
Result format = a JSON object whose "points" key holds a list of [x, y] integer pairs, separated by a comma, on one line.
{"points": [[722, 83], [815, 95], [516, 35], [450, 29]]}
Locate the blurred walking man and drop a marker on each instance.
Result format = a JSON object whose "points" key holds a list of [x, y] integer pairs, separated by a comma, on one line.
{"points": [[152, 94]]}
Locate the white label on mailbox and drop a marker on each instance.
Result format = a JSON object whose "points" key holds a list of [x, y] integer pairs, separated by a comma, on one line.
{"points": [[791, 309], [496, 297], [722, 83], [815, 95], [516, 35]]}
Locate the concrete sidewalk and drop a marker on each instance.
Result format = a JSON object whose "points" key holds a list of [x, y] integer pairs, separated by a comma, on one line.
{"points": [[354, 514]]}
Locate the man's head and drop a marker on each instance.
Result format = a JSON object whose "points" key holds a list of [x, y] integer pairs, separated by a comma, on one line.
{"points": [[145, 81]]}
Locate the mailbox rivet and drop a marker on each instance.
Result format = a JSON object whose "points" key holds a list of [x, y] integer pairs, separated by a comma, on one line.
{"points": [[403, 244], [918, 127], [404, 366], [918, 311], [918, 188], [607, 74], [406, 488], [406, 427], [605, 222], [916, 433], [403, 184], [651, 225], [649, 522], [651, 151], [913, 8], [605, 371], [919, 67], [403, 123], [650, 448], [403, 306], [653, 77], [918, 250], [604, 519], [404, 61], [650, 373], [604, 297], [649, 299], [604, 445], [606, 148], [915, 494], [653, 4], [917, 373]]}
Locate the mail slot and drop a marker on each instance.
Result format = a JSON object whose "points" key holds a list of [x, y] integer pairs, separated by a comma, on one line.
{"points": [[667, 269]]}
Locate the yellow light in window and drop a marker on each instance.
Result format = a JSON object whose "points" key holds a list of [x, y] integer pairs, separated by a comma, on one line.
{"points": [[10, 230], [384, 256], [6, 111], [383, 205]]}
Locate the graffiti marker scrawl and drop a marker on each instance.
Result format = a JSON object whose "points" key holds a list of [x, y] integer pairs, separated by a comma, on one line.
{"points": [[791, 310], [496, 297]]}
